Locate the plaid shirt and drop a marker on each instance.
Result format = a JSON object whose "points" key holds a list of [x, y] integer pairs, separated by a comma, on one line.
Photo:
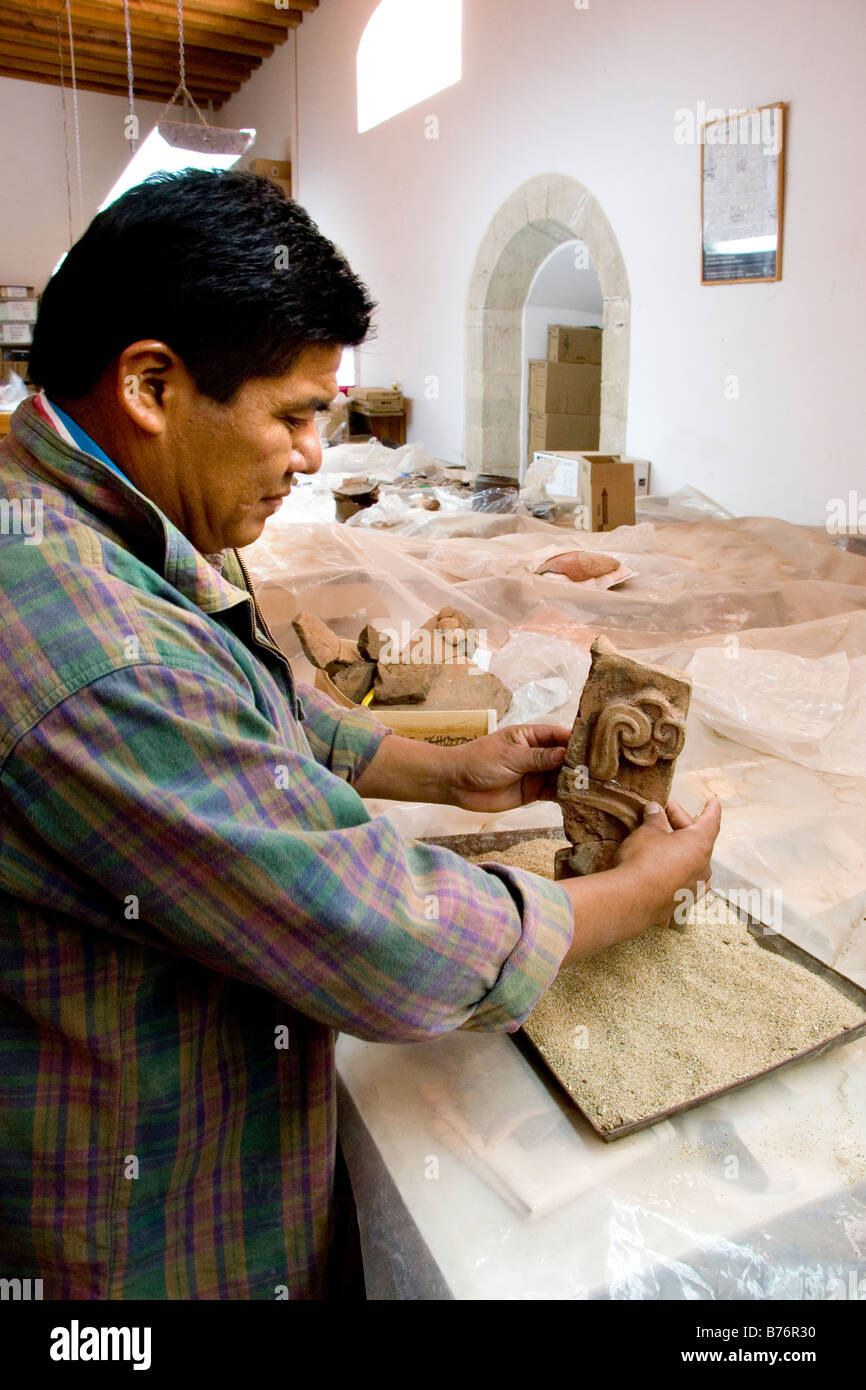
{"points": [[193, 901]]}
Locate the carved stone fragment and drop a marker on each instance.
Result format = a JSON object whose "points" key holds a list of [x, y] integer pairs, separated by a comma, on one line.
{"points": [[630, 729]]}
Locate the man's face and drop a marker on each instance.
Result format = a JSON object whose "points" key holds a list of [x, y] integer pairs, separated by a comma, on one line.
{"points": [[227, 468]]}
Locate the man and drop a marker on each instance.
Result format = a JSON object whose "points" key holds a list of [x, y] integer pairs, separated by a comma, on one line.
{"points": [[194, 899]]}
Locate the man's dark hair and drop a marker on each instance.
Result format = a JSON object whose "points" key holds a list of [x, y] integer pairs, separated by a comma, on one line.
{"points": [[234, 276]]}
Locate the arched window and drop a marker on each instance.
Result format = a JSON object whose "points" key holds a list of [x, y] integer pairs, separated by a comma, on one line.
{"points": [[409, 50]]}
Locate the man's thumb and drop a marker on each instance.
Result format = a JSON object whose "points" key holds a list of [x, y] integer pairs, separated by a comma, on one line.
{"points": [[711, 815]]}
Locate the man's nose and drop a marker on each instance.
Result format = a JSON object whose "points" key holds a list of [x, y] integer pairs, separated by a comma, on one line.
{"points": [[306, 450]]}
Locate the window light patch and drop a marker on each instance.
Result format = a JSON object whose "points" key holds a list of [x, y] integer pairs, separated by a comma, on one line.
{"points": [[410, 50]]}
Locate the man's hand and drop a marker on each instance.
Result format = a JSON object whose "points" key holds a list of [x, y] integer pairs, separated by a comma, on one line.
{"points": [[666, 854], [672, 852], [509, 768], [493, 773]]}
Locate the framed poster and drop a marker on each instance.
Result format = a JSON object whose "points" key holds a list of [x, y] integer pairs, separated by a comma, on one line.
{"points": [[742, 172]]}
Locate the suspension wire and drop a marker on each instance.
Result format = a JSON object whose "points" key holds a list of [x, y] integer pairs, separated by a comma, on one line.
{"points": [[133, 142], [65, 130], [76, 120], [181, 89], [182, 56]]}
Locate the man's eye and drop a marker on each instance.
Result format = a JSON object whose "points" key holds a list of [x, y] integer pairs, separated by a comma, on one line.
{"points": [[295, 424]]}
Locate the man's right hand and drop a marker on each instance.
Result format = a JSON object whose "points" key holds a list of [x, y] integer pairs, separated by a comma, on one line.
{"points": [[666, 854]]}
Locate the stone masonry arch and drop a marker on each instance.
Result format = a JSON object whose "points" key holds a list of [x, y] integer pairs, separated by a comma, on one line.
{"points": [[544, 212]]}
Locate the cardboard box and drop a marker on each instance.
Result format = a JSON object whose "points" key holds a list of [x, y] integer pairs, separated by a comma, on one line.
{"points": [[16, 334], [367, 408], [377, 400], [16, 291], [602, 485], [568, 344], [562, 432], [564, 388], [18, 310], [640, 466]]}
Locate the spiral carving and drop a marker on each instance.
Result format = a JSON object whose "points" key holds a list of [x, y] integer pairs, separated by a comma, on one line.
{"points": [[641, 731]]}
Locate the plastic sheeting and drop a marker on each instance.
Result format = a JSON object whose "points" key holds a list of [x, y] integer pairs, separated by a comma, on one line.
{"points": [[759, 1195], [769, 618]]}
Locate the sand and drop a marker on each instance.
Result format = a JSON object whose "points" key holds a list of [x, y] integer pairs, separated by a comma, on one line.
{"points": [[679, 1011]]}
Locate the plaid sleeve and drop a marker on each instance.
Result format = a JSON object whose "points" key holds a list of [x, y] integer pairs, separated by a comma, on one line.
{"points": [[164, 788], [343, 740]]}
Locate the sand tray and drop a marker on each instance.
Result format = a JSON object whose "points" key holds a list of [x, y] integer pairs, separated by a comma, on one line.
{"points": [[492, 843]]}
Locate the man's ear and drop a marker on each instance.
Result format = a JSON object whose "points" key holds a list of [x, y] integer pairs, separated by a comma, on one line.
{"points": [[145, 370]]}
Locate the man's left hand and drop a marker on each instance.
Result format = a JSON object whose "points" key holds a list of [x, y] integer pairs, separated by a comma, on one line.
{"points": [[509, 768]]}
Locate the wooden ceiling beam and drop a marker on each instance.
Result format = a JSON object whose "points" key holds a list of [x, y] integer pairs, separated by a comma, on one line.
{"points": [[241, 10], [154, 55], [306, 5], [87, 14], [25, 20], [267, 7], [147, 89], [147, 92], [195, 17], [40, 60], [225, 40]]}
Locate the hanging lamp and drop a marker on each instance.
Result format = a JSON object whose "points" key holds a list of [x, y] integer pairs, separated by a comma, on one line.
{"points": [[173, 145]]}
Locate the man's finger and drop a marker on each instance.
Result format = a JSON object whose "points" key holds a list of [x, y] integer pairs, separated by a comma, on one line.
{"points": [[654, 815], [678, 816], [710, 818], [543, 759], [546, 734]]}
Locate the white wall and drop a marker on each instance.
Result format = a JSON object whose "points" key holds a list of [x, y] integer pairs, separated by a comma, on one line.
{"points": [[592, 92], [34, 221], [266, 101]]}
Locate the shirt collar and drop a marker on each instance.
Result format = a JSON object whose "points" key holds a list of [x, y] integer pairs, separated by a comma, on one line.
{"points": [[74, 434], [43, 442]]}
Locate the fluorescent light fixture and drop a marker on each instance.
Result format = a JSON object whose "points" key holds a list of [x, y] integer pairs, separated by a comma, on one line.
{"points": [[175, 145], [410, 50]]}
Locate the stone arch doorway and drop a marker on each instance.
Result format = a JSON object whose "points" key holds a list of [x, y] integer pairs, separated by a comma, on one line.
{"points": [[532, 222]]}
